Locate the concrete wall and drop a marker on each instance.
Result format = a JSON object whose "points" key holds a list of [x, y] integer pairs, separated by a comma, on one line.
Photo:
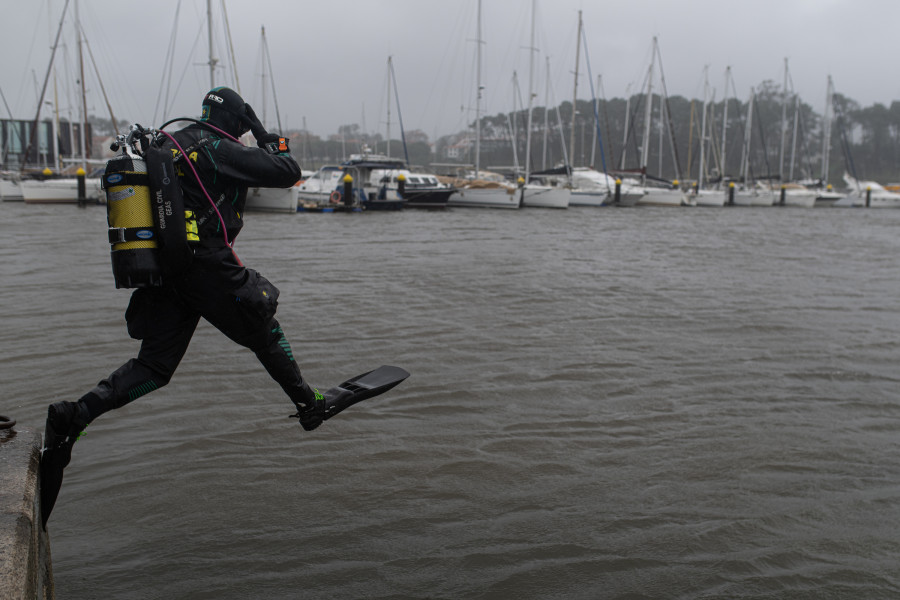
{"points": [[25, 567]]}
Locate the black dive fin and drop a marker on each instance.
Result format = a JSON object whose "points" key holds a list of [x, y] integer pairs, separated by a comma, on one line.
{"points": [[362, 387], [53, 461]]}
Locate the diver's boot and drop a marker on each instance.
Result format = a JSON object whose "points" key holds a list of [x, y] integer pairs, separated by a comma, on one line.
{"points": [[310, 407], [65, 423]]}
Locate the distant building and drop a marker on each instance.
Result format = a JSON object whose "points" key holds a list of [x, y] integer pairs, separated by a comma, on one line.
{"points": [[17, 136], [458, 150]]}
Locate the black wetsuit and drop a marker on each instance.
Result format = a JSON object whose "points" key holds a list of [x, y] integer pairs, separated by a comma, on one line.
{"points": [[216, 286]]}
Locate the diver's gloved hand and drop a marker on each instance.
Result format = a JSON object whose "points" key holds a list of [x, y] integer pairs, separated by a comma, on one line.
{"points": [[271, 142], [256, 126]]}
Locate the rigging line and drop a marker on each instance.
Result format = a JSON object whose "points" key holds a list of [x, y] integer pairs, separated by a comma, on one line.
{"points": [[102, 88], [669, 125], [562, 136], [167, 68], [587, 62], [28, 58], [237, 83], [37, 116], [5, 104], [762, 138], [632, 120], [187, 65], [845, 143], [399, 115], [612, 157], [805, 142], [268, 57], [440, 73]]}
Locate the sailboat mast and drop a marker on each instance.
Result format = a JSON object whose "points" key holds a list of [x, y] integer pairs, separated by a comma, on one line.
{"points": [[40, 101], [794, 136], [627, 124], [784, 96], [389, 109], [262, 69], [84, 116], [209, 31], [645, 143], [725, 120], [748, 134], [546, 116], [478, 96], [596, 125], [702, 166], [512, 122], [530, 93], [826, 130], [575, 92]]}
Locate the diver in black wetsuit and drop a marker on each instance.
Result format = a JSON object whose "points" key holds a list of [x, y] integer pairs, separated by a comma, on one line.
{"points": [[238, 301]]}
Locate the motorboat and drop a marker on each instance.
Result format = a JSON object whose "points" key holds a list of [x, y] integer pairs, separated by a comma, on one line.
{"points": [[870, 194], [370, 189], [419, 190], [321, 189]]}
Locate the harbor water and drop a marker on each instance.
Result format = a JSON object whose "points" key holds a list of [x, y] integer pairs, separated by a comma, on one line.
{"points": [[604, 403]]}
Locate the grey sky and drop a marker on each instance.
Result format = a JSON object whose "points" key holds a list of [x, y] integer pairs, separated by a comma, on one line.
{"points": [[329, 59]]}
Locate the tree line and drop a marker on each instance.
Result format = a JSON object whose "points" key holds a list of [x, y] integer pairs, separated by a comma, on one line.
{"points": [[865, 141]]}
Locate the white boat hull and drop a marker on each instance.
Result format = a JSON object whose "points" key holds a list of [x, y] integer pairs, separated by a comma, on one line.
{"points": [[878, 199], [663, 197], [497, 197], [754, 198], [800, 198], [272, 200], [59, 191], [589, 198], [10, 191], [709, 198], [828, 199], [545, 196]]}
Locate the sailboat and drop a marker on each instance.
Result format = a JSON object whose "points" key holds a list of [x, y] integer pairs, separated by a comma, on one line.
{"points": [[48, 188], [755, 194], [703, 196], [261, 198], [536, 194], [482, 189], [792, 194], [825, 195], [655, 196], [417, 190]]}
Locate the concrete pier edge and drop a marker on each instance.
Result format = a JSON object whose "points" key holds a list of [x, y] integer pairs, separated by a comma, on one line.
{"points": [[25, 567]]}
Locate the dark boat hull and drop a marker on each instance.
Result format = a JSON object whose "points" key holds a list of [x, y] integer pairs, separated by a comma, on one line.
{"points": [[429, 198]]}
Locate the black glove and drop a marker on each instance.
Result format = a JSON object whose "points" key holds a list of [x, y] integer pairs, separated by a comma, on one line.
{"points": [[271, 142], [256, 127]]}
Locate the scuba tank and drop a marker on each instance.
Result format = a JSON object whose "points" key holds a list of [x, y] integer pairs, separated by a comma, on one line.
{"points": [[132, 231], [145, 212]]}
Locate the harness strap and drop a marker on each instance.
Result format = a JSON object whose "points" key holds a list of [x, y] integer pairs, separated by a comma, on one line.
{"points": [[126, 179], [118, 235], [193, 148]]}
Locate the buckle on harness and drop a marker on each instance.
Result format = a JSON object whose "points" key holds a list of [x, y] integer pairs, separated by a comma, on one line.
{"points": [[116, 235]]}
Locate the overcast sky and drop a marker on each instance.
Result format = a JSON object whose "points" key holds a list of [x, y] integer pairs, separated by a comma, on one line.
{"points": [[329, 58]]}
